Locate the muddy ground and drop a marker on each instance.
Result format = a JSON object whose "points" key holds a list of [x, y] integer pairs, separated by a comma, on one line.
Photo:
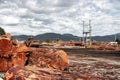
{"points": [[89, 64]]}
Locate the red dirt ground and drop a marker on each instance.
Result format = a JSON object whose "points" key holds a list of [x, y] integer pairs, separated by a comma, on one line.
{"points": [[89, 64]]}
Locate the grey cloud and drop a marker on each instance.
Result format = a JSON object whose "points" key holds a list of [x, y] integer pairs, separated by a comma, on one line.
{"points": [[27, 16], [44, 11], [45, 3], [67, 3], [1, 1], [45, 7], [18, 2], [12, 24], [46, 21], [59, 15]]}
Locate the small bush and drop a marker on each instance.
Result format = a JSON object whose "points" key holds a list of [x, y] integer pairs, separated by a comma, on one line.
{"points": [[2, 32]]}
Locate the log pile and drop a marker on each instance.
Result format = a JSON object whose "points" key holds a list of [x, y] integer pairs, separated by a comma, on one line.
{"points": [[14, 56], [42, 64], [11, 55], [96, 47], [51, 58], [36, 73]]}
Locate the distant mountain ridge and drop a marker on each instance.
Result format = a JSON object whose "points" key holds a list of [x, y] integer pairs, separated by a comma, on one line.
{"points": [[65, 37]]}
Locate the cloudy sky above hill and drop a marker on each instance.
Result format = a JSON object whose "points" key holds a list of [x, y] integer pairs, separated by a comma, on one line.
{"points": [[34, 17]]}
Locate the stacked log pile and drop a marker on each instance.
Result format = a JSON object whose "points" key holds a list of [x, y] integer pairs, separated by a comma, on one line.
{"points": [[36, 73], [14, 54], [103, 47], [11, 55], [23, 63], [42, 64], [95, 71], [50, 58]]}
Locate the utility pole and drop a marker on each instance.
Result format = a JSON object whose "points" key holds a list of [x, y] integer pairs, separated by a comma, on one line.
{"points": [[87, 33], [90, 30], [115, 37], [83, 33]]}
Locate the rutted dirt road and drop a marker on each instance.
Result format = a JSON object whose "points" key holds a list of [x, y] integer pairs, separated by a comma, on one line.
{"points": [[88, 64]]}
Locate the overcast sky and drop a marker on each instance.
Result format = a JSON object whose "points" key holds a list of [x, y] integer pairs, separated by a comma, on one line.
{"points": [[34, 17]]}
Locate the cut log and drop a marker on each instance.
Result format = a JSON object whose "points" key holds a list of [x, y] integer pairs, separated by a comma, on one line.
{"points": [[56, 59], [34, 72], [11, 55]]}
